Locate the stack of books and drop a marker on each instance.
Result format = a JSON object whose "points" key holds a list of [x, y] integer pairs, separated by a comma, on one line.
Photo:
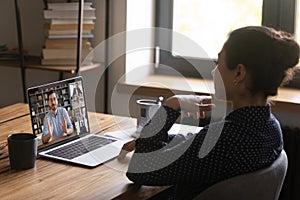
{"points": [[9, 53], [61, 31]]}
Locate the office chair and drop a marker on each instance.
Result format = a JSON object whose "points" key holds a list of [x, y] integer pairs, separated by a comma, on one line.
{"points": [[263, 184]]}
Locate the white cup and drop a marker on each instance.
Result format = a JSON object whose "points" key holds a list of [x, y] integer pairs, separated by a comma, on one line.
{"points": [[146, 109]]}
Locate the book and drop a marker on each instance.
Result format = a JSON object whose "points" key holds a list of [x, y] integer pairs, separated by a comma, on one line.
{"points": [[11, 54], [61, 31], [67, 43], [68, 6], [58, 61], [67, 32], [63, 53], [69, 14], [70, 36], [3, 47], [68, 21], [68, 26], [64, 62]]}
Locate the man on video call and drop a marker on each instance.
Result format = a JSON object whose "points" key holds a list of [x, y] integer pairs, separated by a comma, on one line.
{"points": [[76, 90], [56, 122]]}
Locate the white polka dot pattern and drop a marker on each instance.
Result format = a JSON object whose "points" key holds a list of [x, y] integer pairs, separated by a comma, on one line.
{"points": [[251, 139]]}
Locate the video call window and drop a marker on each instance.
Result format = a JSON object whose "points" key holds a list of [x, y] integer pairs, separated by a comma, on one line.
{"points": [[69, 95]]}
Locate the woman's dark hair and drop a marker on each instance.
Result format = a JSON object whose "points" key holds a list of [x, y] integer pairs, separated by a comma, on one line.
{"points": [[268, 55]]}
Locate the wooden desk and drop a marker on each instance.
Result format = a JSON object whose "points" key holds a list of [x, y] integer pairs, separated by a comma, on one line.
{"points": [[13, 111], [57, 180]]}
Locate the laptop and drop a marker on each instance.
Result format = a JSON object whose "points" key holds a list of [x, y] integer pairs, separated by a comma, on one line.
{"points": [[80, 146]]}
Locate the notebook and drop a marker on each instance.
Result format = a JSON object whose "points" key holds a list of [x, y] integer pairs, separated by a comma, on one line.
{"points": [[78, 145]]}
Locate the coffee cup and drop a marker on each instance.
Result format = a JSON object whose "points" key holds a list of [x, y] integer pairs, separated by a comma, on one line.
{"points": [[146, 109], [22, 149]]}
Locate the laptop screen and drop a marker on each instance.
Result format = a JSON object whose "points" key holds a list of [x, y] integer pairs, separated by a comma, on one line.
{"points": [[68, 99]]}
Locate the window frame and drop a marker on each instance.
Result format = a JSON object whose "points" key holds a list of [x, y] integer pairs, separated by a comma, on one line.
{"points": [[276, 13]]}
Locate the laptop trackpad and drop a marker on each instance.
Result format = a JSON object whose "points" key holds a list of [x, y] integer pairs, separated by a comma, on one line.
{"points": [[100, 155]]}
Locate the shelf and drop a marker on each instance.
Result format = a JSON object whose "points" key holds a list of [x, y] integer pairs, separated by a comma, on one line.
{"points": [[29, 62], [33, 62]]}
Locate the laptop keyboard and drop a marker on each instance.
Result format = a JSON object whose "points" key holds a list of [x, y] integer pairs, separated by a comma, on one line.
{"points": [[80, 147]]}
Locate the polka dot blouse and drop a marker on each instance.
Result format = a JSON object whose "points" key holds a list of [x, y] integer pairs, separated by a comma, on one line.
{"points": [[246, 140]]}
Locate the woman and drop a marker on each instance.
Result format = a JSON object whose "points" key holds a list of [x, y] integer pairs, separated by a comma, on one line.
{"points": [[252, 64]]}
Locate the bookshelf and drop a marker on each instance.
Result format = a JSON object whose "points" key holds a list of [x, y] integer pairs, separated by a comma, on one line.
{"points": [[31, 62]]}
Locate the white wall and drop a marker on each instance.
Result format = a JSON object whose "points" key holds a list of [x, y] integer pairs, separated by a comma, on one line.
{"points": [[116, 60], [133, 44], [32, 28], [140, 20]]}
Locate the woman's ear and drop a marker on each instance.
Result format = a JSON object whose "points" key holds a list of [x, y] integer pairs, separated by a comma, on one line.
{"points": [[240, 73]]}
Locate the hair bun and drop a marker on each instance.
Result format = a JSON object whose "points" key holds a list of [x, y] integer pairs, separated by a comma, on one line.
{"points": [[285, 51]]}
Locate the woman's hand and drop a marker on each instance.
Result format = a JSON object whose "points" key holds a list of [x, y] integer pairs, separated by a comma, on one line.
{"points": [[129, 146], [190, 104]]}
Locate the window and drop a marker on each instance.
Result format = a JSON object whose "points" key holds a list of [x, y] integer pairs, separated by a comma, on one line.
{"points": [[207, 23], [297, 24]]}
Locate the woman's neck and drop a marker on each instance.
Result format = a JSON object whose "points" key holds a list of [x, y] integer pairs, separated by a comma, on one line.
{"points": [[248, 100]]}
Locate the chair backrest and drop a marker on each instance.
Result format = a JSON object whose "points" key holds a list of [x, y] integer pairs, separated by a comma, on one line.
{"points": [[263, 184]]}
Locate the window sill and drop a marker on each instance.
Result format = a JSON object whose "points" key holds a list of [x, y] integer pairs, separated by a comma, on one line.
{"points": [[287, 100]]}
